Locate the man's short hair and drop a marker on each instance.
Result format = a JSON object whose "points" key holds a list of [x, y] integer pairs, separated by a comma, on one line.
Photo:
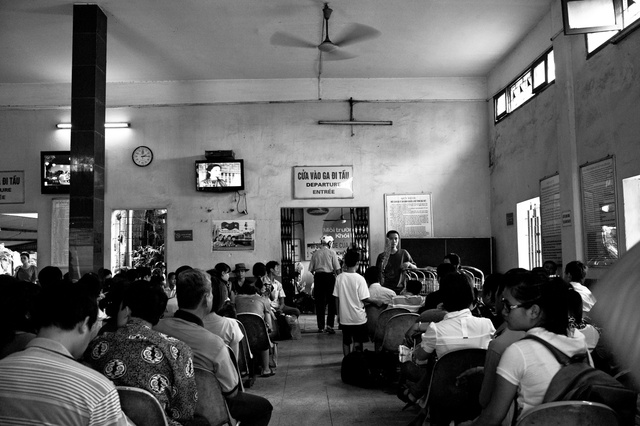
{"points": [[445, 269], [182, 268], [372, 275], [457, 292], [453, 258], [553, 266], [351, 258], [191, 286], [65, 304], [414, 287], [259, 269], [146, 300], [576, 270], [271, 265], [49, 275], [143, 271]]}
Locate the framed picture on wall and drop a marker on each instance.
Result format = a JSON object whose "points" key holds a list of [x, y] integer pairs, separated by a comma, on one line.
{"points": [[233, 235]]}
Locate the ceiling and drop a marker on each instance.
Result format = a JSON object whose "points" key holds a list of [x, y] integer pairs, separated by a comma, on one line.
{"points": [[19, 231], [178, 40]]}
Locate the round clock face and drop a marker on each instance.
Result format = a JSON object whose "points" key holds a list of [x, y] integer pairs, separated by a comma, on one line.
{"points": [[142, 156]]}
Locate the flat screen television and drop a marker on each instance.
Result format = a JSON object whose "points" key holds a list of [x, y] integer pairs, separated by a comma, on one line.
{"points": [[55, 169], [219, 176]]}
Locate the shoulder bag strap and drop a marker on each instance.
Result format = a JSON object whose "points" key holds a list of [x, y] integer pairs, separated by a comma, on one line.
{"points": [[560, 356]]}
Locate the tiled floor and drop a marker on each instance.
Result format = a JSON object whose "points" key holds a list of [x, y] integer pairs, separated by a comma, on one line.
{"points": [[307, 389]]}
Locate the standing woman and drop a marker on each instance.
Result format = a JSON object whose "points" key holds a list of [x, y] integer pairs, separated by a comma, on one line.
{"points": [[392, 261], [26, 271], [539, 307]]}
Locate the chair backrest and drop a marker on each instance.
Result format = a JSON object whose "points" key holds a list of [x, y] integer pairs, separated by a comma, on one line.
{"points": [[373, 312], [570, 413], [244, 352], [452, 399], [257, 333], [234, 360], [395, 330], [211, 403], [382, 323], [141, 406]]}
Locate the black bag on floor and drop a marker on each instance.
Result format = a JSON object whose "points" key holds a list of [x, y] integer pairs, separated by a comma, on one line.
{"points": [[284, 330], [356, 371]]}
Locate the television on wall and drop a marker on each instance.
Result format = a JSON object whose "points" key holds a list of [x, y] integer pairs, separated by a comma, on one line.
{"points": [[55, 169], [219, 176]]}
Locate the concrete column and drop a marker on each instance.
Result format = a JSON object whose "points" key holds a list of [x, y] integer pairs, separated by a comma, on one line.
{"points": [[88, 84]]}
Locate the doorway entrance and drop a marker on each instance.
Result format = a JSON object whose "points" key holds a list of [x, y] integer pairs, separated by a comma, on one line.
{"points": [[137, 238]]}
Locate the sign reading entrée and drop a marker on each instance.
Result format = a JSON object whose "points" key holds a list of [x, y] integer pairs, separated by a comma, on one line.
{"points": [[323, 182]]}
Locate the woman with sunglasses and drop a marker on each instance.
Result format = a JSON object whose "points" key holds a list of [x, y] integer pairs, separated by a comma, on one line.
{"points": [[539, 307]]}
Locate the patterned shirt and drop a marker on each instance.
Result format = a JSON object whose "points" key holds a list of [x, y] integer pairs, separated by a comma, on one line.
{"points": [[44, 385], [135, 355]]}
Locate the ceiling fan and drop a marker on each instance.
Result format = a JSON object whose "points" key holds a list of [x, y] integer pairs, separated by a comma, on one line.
{"points": [[354, 33]]}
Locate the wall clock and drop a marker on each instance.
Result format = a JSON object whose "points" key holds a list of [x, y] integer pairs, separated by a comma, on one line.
{"points": [[142, 156]]}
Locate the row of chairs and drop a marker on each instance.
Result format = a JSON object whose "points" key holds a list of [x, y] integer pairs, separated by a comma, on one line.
{"points": [[145, 410]]}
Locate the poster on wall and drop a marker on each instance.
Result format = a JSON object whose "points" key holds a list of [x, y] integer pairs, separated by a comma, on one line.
{"points": [[409, 214], [599, 212], [12, 187], [551, 219], [60, 233], [317, 182], [233, 235]]}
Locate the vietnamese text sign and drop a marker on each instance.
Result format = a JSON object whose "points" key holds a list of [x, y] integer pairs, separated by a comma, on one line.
{"points": [[323, 182], [183, 235], [551, 218], [12, 187], [409, 214]]}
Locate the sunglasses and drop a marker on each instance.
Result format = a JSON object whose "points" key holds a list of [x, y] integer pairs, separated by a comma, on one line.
{"points": [[508, 308]]}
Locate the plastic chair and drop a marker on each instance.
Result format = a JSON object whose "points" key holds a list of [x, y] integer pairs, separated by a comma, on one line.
{"points": [[256, 332], [232, 355], [449, 398], [211, 403], [141, 406], [570, 413], [245, 358], [381, 323], [395, 330], [373, 312]]}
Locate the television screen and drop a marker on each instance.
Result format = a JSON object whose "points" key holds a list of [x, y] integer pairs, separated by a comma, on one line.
{"points": [[219, 176], [55, 167]]}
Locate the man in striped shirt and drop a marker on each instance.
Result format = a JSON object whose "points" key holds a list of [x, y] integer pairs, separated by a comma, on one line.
{"points": [[44, 384]]}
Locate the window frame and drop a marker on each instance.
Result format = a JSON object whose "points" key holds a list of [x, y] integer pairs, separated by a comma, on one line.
{"points": [[618, 35], [535, 91]]}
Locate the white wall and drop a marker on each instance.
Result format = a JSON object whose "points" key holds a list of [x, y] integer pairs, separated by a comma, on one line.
{"points": [[437, 146]]}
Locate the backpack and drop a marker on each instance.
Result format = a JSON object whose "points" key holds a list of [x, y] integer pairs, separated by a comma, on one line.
{"points": [[578, 381]]}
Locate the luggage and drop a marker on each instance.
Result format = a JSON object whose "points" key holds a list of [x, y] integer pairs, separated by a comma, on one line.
{"points": [[578, 381], [355, 370]]}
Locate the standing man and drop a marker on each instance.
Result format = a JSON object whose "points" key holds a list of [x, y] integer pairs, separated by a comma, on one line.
{"points": [[44, 384], [324, 266], [195, 300]]}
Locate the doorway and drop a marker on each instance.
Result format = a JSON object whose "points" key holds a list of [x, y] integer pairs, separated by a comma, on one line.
{"points": [[137, 238], [18, 233]]}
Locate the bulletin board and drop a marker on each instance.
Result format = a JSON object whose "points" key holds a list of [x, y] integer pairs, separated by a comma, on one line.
{"points": [[60, 233], [409, 214], [551, 218]]}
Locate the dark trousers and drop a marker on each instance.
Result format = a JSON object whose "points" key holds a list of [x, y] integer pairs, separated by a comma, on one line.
{"points": [[323, 284], [250, 410]]}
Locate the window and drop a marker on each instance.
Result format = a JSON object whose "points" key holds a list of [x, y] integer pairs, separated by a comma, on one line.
{"points": [[529, 236], [630, 14], [532, 81]]}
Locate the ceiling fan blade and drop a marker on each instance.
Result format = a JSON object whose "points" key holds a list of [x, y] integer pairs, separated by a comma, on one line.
{"points": [[284, 39], [355, 33], [338, 55]]}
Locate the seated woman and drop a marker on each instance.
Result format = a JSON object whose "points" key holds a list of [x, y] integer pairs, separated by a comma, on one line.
{"points": [[249, 300], [227, 328], [539, 307], [410, 298], [458, 330]]}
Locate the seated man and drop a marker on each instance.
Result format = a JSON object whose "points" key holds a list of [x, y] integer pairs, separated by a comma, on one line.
{"points": [[210, 352], [575, 273], [44, 384], [149, 360], [376, 291], [277, 295], [410, 299]]}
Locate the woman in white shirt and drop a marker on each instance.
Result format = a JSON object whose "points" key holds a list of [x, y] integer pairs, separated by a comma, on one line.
{"points": [[539, 307]]}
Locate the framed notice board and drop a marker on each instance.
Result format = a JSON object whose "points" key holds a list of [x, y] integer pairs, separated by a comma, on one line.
{"points": [[409, 214]]}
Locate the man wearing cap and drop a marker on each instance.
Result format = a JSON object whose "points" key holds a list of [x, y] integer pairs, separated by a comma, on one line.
{"points": [[239, 278], [324, 266]]}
